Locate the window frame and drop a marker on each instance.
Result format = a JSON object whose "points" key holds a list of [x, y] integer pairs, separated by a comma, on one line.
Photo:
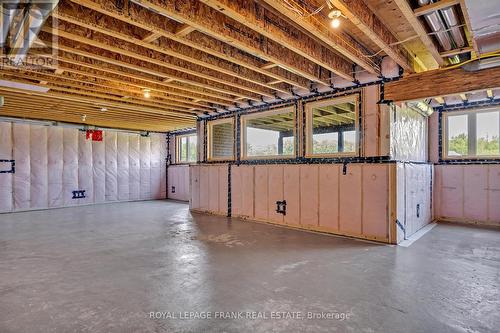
{"points": [[472, 134], [178, 144], [210, 125], [243, 133], [308, 137]]}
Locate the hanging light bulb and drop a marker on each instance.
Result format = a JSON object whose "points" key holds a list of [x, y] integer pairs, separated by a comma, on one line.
{"points": [[335, 15], [146, 93], [335, 23]]}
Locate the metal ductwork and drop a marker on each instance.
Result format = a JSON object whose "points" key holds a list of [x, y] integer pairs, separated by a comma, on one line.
{"points": [[30, 26], [422, 107], [8, 11], [437, 26], [445, 25], [23, 33], [451, 20], [478, 65]]}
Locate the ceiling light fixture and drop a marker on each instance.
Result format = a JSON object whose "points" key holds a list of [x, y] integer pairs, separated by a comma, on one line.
{"points": [[335, 15], [146, 93], [103, 109]]}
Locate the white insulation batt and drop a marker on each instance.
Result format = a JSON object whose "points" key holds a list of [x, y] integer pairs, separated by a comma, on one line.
{"points": [[51, 162]]}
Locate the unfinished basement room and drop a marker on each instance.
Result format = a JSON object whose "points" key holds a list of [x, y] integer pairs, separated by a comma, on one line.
{"points": [[256, 166]]}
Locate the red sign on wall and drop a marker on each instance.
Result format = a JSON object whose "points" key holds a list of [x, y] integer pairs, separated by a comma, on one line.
{"points": [[95, 135]]}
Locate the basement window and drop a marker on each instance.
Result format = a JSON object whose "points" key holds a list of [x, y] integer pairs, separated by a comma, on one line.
{"points": [[331, 127], [187, 148], [472, 134], [269, 134], [221, 139]]}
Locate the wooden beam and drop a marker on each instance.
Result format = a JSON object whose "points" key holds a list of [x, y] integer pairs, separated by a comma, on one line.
{"points": [[148, 38], [44, 106], [439, 83], [362, 17], [90, 88], [179, 70], [279, 34], [319, 27], [407, 11], [108, 53], [94, 68], [139, 16], [184, 30], [452, 53], [440, 100], [432, 7], [117, 29]]}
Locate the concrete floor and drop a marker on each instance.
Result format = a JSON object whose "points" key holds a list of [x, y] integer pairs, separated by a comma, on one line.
{"points": [[105, 268]]}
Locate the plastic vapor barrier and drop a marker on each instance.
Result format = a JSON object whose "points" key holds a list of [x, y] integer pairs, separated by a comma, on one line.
{"points": [[408, 135], [52, 162]]}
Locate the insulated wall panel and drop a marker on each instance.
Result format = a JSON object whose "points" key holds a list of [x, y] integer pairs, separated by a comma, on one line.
{"points": [[54, 161], [123, 165], [6, 204], [476, 193], [22, 177], [39, 172], [145, 143], [291, 190], [134, 167], [350, 200], [318, 197], [242, 190], [178, 182], [156, 167], [261, 194], [468, 193], [452, 194], [213, 189], [309, 192], [236, 191], [111, 166], [55, 166], [85, 172], [204, 190], [223, 189], [375, 200], [371, 125], [194, 180], [70, 165], [275, 191], [99, 170], [494, 194], [163, 173], [329, 196]]}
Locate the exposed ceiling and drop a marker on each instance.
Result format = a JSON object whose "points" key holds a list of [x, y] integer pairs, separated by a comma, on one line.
{"points": [[197, 57]]}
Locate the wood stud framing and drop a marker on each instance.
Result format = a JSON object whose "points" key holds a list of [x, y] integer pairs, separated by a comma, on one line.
{"points": [[195, 57]]}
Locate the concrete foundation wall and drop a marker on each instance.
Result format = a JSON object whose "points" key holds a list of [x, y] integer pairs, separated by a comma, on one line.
{"points": [[51, 162]]}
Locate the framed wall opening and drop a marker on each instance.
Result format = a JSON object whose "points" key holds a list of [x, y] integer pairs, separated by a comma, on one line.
{"points": [[269, 134], [332, 127], [471, 134], [220, 135]]}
